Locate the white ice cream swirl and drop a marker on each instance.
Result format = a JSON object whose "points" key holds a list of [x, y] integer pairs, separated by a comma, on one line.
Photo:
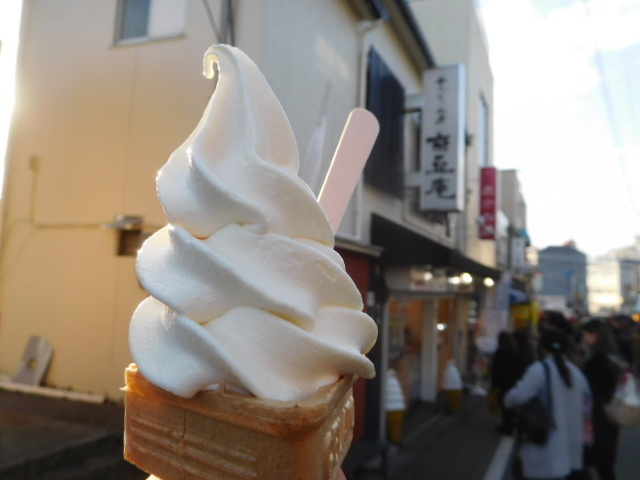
{"points": [[245, 285]]}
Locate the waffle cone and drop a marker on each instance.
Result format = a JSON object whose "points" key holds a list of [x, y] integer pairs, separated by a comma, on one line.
{"points": [[224, 435]]}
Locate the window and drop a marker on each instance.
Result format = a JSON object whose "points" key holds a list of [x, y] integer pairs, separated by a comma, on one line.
{"points": [[149, 19], [385, 99], [483, 134]]}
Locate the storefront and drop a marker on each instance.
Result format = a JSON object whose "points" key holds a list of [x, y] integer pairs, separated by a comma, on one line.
{"points": [[424, 334], [434, 296]]}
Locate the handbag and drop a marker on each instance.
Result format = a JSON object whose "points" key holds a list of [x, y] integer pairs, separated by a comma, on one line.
{"points": [[624, 408], [535, 418]]}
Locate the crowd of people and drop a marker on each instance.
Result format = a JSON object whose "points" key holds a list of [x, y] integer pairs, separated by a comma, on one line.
{"points": [[579, 364]]}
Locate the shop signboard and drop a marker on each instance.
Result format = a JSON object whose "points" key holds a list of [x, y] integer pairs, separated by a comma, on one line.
{"points": [[440, 179], [518, 253], [488, 203]]}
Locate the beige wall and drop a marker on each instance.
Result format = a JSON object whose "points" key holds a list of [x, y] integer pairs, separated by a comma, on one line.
{"points": [[305, 45], [95, 122]]}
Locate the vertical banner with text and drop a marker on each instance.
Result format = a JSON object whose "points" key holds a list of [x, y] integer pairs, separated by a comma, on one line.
{"points": [[488, 202], [441, 175]]}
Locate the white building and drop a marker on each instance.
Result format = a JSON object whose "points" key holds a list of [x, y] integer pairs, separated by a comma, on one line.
{"points": [[614, 281]]}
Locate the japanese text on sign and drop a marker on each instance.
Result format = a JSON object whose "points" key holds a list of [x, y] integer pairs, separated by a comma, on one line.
{"points": [[488, 202], [441, 176]]}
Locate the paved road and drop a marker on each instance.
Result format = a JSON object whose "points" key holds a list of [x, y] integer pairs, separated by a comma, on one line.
{"points": [[628, 464], [466, 447], [447, 447]]}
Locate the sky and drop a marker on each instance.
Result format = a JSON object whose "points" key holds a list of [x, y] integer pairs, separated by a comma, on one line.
{"points": [[9, 21], [567, 115], [566, 112]]}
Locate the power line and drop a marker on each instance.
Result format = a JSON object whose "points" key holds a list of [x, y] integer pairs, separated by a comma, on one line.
{"points": [[607, 97], [608, 102]]}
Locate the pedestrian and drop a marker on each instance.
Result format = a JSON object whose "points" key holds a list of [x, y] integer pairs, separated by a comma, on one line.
{"points": [[622, 328], [562, 454], [554, 320], [526, 350], [602, 372], [505, 371], [636, 350]]}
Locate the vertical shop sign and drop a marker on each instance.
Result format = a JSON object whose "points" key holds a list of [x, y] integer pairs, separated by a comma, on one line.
{"points": [[441, 176], [488, 202]]}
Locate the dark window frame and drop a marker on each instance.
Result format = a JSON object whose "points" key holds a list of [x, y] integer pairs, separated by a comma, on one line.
{"points": [[133, 19], [386, 100]]}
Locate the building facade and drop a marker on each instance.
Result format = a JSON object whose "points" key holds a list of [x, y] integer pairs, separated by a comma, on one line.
{"points": [[614, 281], [108, 89], [604, 280]]}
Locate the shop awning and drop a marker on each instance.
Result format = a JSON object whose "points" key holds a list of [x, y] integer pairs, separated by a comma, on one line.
{"points": [[518, 296], [406, 247], [524, 234]]}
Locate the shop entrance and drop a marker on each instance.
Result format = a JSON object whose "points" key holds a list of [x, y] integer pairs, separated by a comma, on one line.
{"points": [[405, 343], [422, 339], [447, 333]]}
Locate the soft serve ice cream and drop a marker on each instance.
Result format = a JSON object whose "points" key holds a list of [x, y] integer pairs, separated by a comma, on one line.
{"points": [[245, 286]]}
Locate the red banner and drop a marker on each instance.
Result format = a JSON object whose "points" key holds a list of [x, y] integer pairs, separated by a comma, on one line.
{"points": [[488, 202]]}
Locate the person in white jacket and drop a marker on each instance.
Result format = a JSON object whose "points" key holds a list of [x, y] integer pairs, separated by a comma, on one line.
{"points": [[562, 454]]}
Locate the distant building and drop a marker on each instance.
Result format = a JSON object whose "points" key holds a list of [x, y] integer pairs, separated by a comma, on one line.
{"points": [[564, 272], [614, 281], [604, 285]]}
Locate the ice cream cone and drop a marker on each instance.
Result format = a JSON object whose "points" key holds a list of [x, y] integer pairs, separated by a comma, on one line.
{"points": [[224, 435]]}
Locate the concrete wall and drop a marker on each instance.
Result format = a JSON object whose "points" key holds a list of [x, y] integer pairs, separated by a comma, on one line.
{"points": [[513, 204]]}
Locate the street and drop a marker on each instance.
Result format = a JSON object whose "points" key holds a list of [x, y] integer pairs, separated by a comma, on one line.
{"points": [[466, 446], [628, 459], [628, 464]]}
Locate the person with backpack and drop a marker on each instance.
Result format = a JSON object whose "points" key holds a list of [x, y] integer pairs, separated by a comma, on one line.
{"points": [[554, 378], [602, 372]]}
